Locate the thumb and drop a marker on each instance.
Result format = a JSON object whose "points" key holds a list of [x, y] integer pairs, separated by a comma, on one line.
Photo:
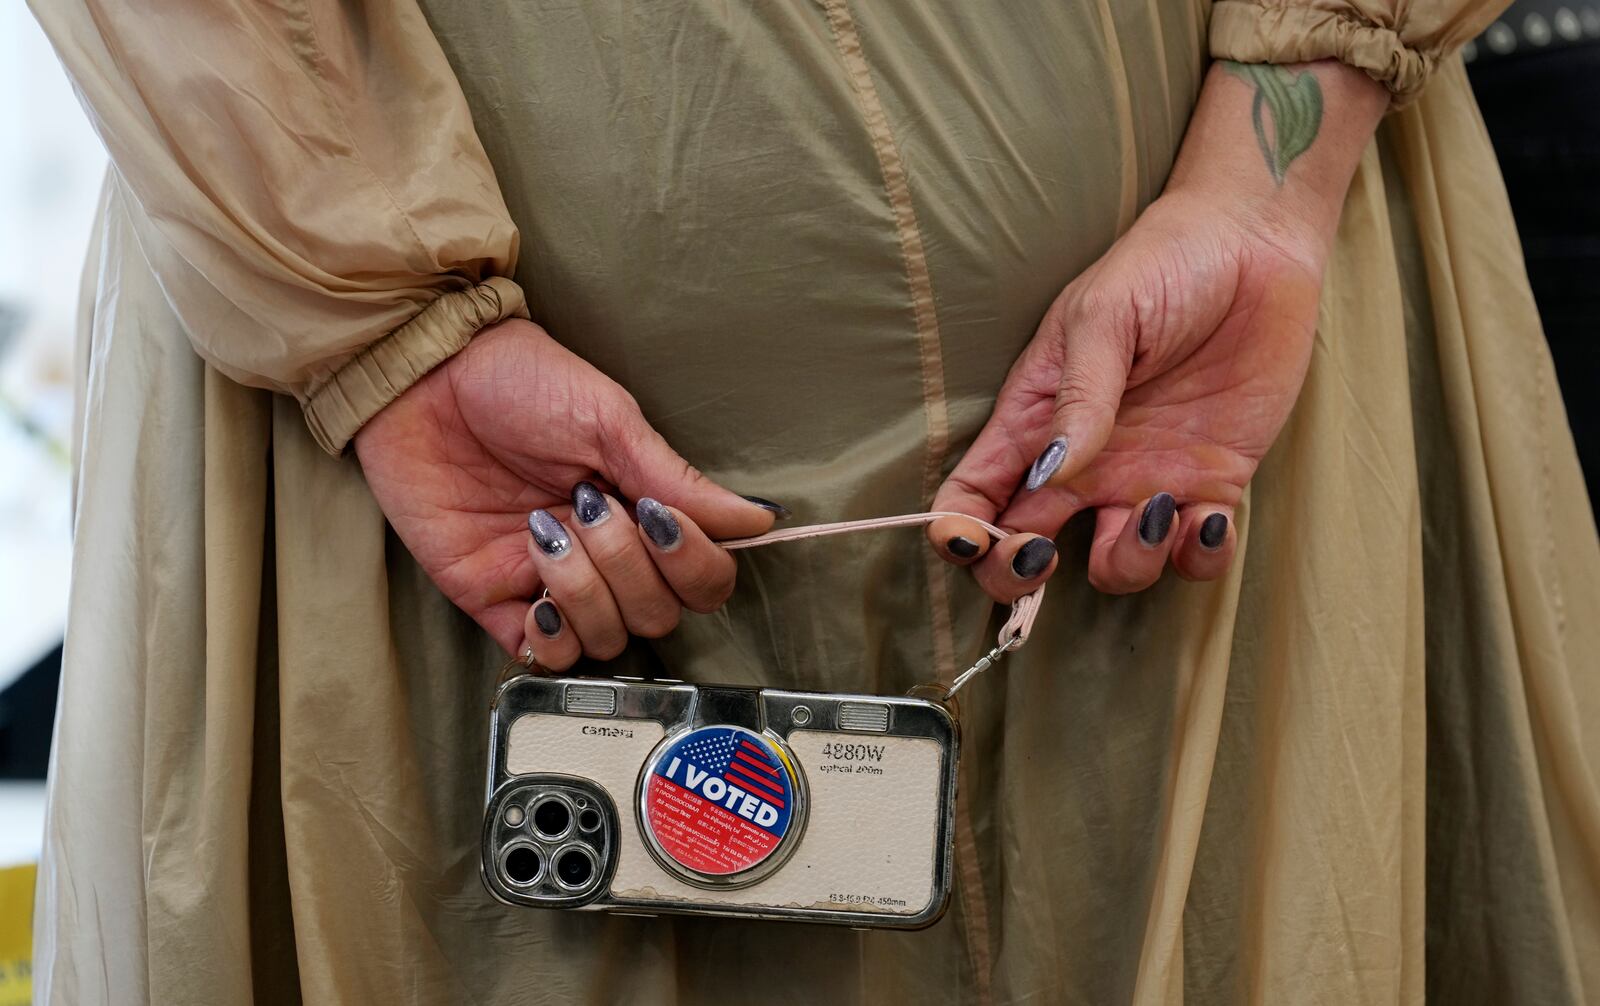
{"points": [[1097, 354], [1054, 414], [640, 463]]}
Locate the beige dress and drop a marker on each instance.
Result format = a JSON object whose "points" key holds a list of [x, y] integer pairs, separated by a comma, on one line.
{"points": [[809, 237]]}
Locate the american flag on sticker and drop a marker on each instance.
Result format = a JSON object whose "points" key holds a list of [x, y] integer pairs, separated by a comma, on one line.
{"points": [[719, 799]]}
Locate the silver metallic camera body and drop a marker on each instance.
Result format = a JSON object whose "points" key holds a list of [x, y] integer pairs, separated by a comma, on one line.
{"points": [[647, 797]]}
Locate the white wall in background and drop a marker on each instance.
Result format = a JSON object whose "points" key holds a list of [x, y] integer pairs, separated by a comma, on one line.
{"points": [[51, 165]]}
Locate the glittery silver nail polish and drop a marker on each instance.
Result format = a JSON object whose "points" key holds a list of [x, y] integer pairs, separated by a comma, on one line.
{"points": [[1033, 557], [1047, 463], [1156, 520], [659, 524], [1213, 531], [548, 534], [589, 504], [548, 618]]}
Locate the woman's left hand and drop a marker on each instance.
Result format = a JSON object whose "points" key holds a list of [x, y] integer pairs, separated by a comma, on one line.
{"points": [[1160, 377]]}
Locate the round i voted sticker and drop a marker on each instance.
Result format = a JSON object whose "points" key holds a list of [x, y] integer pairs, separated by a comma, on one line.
{"points": [[719, 800]]}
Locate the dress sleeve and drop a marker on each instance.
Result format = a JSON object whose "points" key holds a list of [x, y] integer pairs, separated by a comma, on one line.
{"points": [[306, 183], [1397, 42]]}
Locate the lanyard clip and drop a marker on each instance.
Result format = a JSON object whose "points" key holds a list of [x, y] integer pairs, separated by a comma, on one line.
{"points": [[985, 662]]}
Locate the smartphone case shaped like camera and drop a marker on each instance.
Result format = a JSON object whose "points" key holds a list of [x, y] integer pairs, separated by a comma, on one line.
{"points": [[651, 797]]}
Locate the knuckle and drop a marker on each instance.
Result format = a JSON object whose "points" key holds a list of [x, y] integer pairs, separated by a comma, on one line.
{"points": [[1107, 580], [608, 646], [584, 593], [988, 484], [707, 590], [612, 551], [657, 622], [1095, 307]]}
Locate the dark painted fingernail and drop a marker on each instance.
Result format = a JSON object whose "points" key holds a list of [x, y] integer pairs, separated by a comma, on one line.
{"points": [[589, 503], [1156, 520], [782, 512], [548, 618], [1213, 531], [659, 524], [962, 547], [548, 534], [1047, 463], [1032, 558]]}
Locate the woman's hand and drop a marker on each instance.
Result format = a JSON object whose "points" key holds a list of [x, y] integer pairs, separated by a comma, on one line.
{"points": [[1160, 377], [494, 470]]}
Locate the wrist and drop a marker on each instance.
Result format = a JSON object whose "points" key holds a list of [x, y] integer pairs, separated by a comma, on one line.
{"points": [[1277, 146]]}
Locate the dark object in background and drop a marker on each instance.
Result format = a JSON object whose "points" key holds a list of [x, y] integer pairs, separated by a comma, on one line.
{"points": [[27, 715], [1536, 73]]}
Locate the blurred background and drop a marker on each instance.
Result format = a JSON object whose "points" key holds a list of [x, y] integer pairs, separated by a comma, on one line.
{"points": [[1536, 72], [51, 165]]}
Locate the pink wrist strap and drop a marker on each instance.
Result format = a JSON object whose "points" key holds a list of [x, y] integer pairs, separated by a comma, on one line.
{"points": [[1023, 610]]}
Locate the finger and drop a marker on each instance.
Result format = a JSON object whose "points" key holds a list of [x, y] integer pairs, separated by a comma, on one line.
{"points": [[1016, 566], [1206, 546], [1043, 513], [700, 573], [496, 582], [586, 602], [503, 621], [1131, 546], [960, 540], [987, 474], [554, 645], [641, 463], [1032, 441], [1098, 351], [649, 607]]}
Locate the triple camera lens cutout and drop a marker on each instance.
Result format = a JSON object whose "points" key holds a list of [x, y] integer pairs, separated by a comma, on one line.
{"points": [[552, 842]]}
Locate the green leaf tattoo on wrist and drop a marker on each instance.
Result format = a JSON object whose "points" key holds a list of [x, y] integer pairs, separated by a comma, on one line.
{"points": [[1294, 101]]}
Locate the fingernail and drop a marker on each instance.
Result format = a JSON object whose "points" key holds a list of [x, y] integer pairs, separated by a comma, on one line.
{"points": [[962, 547], [548, 534], [782, 511], [1047, 463], [1156, 520], [659, 524], [1213, 531], [1032, 558], [548, 618], [589, 503]]}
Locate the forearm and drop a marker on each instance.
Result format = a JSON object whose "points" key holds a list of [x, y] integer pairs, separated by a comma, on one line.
{"points": [[1283, 141]]}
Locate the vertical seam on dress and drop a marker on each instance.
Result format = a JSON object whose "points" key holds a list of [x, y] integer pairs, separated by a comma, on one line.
{"points": [[919, 280]]}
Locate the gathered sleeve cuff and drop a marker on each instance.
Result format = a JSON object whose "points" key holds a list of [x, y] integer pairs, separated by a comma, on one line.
{"points": [[378, 374], [1395, 42], [305, 180]]}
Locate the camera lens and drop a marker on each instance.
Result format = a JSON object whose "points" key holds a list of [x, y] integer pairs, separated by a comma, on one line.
{"points": [[589, 819], [574, 867], [523, 864], [552, 818]]}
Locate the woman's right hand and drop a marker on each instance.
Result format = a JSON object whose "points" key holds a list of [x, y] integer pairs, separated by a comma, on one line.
{"points": [[514, 434]]}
